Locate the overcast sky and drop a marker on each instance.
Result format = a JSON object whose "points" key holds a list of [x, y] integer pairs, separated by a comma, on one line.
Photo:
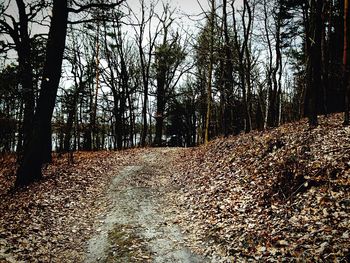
{"points": [[188, 7]]}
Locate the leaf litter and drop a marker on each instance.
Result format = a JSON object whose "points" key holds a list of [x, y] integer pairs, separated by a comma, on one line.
{"points": [[278, 195], [51, 220], [273, 196]]}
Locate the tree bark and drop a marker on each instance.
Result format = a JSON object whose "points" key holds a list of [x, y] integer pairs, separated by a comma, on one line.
{"points": [[273, 115], [228, 77], [35, 150], [269, 68], [160, 105], [315, 60], [124, 84], [210, 72], [161, 64], [346, 66], [144, 71], [244, 61], [22, 42]]}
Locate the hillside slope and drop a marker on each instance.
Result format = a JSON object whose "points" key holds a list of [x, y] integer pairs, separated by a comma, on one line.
{"points": [[279, 195]]}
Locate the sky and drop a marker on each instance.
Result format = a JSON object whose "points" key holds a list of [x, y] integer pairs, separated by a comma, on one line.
{"points": [[188, 7]]}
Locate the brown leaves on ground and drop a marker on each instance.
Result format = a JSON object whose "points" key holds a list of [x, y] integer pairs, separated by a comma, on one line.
{"points": [[51, 220], [279, 195], [270, 196], [7, 170]]}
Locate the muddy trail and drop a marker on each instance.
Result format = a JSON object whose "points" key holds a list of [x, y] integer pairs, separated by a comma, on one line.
{"points": [[140, 225]]}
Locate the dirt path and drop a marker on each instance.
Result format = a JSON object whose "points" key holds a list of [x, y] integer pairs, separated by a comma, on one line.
{"points": [[140, 226]]}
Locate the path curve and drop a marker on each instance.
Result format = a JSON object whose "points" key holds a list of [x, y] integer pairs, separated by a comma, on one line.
{"points": [[140, 225]]}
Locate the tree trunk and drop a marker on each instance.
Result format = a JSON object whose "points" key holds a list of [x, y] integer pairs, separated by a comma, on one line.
{"points": [[159, 131], [145, 71], [210, 72], [267, 119], [315, 60], [273, 117], [35, 150], [325, 46], [94, 125], [69, 127], [124, 84], [117, 98], [161, 82], [25, 74], [346, 66], [118, 121], [244, 61], [228, 77], [70, 119]]}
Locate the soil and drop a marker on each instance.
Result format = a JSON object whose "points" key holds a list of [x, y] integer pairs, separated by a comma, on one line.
{"points": [[140, 225]]}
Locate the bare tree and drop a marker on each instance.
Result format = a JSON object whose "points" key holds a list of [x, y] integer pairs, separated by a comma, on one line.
{"points": [[145, 52], [19, 32], [39, 140], [244, 61], [313, 14], [210, 70], [169, 55]]}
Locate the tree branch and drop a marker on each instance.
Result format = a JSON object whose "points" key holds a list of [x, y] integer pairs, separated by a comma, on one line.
{"points": [[83, 8]]}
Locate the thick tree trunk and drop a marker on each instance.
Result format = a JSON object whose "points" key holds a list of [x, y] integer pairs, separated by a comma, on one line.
{"points": [[325, 46], [23, 48], [159, 131], [315, 60], [161, 79], [36, 149], [346, 66]]}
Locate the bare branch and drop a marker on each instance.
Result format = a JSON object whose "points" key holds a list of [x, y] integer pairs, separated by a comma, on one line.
{"points": [[83, 8]]}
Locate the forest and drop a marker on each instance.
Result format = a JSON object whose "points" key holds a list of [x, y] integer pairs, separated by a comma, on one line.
{"points": [[163, 131], [114, 75]]}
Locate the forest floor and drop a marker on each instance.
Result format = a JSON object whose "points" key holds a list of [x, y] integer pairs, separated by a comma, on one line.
{"points": [[106, 207], [141, 226], [282, 195]]}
